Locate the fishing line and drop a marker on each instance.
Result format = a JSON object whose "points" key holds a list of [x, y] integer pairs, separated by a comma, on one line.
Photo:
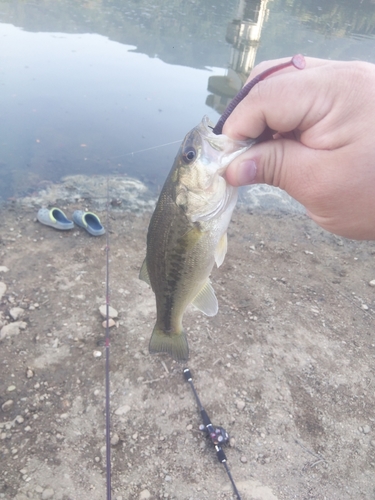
{"points": [[217, 435], [147, 149], [107, 346]]}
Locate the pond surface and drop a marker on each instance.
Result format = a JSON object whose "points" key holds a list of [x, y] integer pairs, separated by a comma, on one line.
{"points": [[105, 86]]}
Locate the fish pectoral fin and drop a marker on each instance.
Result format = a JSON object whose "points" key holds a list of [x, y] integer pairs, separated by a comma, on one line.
{"points": [[221, 250], [143, 273], [206, 300], [174, 344]]}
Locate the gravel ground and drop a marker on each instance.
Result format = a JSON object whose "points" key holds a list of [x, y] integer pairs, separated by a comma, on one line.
{"points": [[287, 365]]}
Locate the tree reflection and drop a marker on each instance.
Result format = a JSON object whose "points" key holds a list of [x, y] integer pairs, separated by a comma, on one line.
{"points": [[332, 18], [335, 18]]}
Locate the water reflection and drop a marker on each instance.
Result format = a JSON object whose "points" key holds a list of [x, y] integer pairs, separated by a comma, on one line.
{"points": [[85, 83], [80, 103], [243, 33], [189, 33], [335, 18]]}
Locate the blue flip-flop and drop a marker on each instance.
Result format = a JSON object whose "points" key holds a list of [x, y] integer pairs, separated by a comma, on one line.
{"points": [[88, 221], [54, 217]]}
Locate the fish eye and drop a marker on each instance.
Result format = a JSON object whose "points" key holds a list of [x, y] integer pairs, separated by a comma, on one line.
{"points": [[189, 155]]}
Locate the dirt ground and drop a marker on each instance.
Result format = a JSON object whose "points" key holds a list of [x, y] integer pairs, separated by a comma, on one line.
{"points": [[287, 365]]}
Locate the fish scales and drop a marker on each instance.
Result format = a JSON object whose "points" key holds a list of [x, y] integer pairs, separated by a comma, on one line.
{"points": [[175, 260]]}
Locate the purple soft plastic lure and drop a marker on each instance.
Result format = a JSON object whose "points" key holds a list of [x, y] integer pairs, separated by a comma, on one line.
{"points": [[298, 61]]}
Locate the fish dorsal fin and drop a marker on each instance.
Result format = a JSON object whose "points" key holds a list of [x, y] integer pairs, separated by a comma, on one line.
{"points": [[143, 273], [221, 250], [206, 300]]}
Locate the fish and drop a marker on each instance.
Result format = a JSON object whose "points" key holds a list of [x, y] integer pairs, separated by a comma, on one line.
{"points": [[187, 234]]}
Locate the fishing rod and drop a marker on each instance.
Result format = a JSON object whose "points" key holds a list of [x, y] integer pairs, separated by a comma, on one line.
{"points": [[107, 346], [218, 435]]}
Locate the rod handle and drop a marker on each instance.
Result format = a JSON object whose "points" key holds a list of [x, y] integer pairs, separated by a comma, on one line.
{"points": [[187, 375], [205, 418], [220, 454]]}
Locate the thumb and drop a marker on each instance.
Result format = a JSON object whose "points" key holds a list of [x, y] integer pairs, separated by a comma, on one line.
{"points": [[282, 163]]}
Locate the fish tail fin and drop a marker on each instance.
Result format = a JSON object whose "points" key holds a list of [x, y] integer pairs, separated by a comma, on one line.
{"points": [[176, 345]]}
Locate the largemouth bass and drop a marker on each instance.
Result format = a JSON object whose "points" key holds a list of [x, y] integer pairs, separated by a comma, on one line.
{"points": [[188, 230], [188, 234]]}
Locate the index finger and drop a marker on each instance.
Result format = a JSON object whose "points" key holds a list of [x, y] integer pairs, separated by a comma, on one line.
{"points": [[281, 102], [311, 62]]}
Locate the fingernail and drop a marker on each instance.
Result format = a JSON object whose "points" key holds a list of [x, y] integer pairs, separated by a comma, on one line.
{"points": [[246, 172]]}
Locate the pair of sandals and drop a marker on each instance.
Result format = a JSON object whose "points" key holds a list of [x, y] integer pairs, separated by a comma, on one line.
{"points": [[56, 218]]}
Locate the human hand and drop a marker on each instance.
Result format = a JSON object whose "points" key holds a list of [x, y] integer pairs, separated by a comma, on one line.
{"points": [[323, 151]]}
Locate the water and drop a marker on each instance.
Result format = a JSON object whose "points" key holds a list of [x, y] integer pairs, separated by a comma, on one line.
{"points": [[86, 84]]}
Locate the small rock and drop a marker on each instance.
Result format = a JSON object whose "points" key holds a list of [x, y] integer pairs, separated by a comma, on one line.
{"points": [[16, 313], [29, 373], [11, 388], [111, 322], [240, 404], [3, 269], [115, 439], [112, 313], [372, 283], [7, 405], [20, 419], [97, 354], [243, 459], [364, 307], [144, 495], [122, 410], [48, 493], [372, 442], [12, 329], [3, 289], [366, 429]]}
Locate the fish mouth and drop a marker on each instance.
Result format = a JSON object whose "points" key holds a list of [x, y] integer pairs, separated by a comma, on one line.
{"points": [[218, 151]]}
